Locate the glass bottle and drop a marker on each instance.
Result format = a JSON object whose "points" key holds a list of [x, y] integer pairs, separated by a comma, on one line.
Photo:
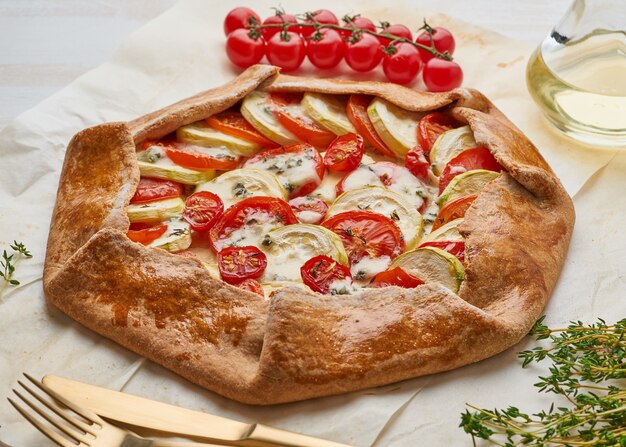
{"points": [[578, 74]]}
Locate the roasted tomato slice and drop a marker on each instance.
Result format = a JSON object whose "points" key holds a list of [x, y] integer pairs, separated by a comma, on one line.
{"points": [[232, 122], [248, 221], [197, 157], [455, 248], [202, 209], [237, 264], [415, 161], [323, 274], [307, 209], [431, 126], [345, 153], [152, 189], [468, 160], [396, 277], [145, 233], [299, 168], [288, 112], [367, 236], [357, 114], [454, 209], [252, 285]]}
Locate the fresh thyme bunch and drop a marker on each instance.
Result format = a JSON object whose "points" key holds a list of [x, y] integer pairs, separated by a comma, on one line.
{"points": [[7, 264], [588, 370]]}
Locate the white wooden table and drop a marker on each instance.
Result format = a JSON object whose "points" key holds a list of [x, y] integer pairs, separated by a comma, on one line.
{"points": [[45, 44]]}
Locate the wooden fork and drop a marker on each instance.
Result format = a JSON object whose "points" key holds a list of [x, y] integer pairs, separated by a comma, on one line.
{"points": [[75, 426]]}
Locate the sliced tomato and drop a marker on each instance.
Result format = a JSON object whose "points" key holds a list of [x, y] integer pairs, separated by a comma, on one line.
{"points": [[431, 126], [454, 209], [365, 233], [357, 114], [238, 224], [468, 160], [396, 277], [237, 264], [286, 108], [307, 209], [320, 272], [345, 153], [299, 168], [415, 161], [152, 189], [145, 233], [252, 285], [202, 209], [455, 248], [200, 158], [232, 122]]}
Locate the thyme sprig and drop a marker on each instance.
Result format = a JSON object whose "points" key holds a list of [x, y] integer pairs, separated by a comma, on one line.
{"points": [[588, 368], [8, 262], [307, 20]]}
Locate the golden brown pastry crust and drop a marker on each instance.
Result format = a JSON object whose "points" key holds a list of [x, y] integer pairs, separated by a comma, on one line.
{"points": [[302, 345]]}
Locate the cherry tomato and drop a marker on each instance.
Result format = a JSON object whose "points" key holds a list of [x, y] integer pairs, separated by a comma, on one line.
{"points": [[304, 128], [151, 189], [286, 54], [396, 277], [322, 16], [365, 233], [441, 75], [233, 123], [278, 19], [455, 248], [345, 153], [364, 54], [441, 38], [431, 126], [307, 209], [293, 165], [145, 233], [454, 209], [200, 158], [358, 22], [252, 285], [416, 162], [327, 51], [243, 50], [470, 159], [357, 114], [403, 66], [202, 209], [237, 264], [258, 211], [320, 272], [239, 17], [395, 30]]}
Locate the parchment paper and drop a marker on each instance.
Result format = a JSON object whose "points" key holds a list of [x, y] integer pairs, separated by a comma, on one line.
{"points": [[181, 53]]}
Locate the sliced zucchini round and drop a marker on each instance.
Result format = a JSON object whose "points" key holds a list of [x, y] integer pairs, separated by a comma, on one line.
{"points": [[177, 236], [395, 126], [199, 133], [447, 232], [432, 265], [156, 211], [450, 144], [154, 162], [470, 182], [385, 202], [239, 184], [257, 110], [289, 247], [329, 111]]}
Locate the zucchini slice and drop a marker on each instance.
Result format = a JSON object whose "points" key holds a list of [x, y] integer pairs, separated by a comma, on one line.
{"points": [[450, 144], [447, 232], [395, 126], [156, 211], [177, 236], [153, 162], [470, 182], [432, 265], [329, 111], [257, 110], [200, 134]]}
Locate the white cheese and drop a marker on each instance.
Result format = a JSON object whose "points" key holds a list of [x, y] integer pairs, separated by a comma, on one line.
{"points": [[256, 226], [368, 267]]}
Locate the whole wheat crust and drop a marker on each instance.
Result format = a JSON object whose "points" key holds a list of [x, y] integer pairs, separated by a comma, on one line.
{"points": [[301, 345]]}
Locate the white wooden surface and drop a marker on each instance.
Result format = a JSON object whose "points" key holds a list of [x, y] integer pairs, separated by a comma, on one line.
{"points": [[45, 44]]}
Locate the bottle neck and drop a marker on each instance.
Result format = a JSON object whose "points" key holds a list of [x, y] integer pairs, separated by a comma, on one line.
{"points": [[586, 17]]}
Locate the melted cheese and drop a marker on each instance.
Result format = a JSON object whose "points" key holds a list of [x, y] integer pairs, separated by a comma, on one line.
{"points": [[177, 236], [239, 184], [326, 190], [368, 267], [256, 226]]}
